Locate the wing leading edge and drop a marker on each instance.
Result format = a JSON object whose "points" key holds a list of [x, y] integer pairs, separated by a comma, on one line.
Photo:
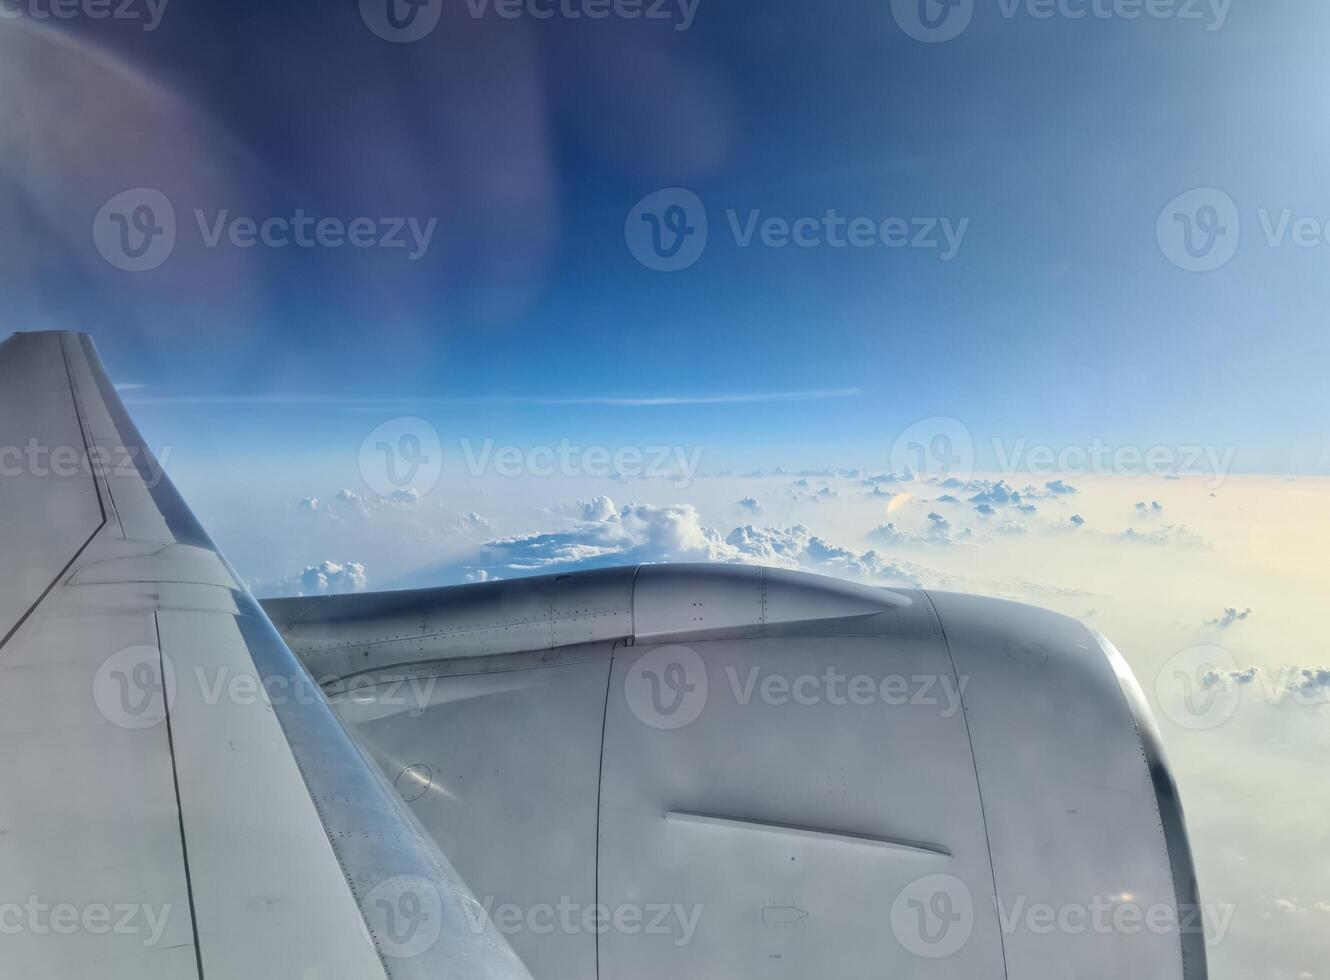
{"points": [[179, 799]]}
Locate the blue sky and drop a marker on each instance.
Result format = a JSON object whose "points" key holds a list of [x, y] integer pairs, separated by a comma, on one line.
{"points": [[1058, 141]]}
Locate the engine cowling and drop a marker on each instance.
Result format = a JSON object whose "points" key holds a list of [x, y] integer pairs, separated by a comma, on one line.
{"points": [[740, 772]]}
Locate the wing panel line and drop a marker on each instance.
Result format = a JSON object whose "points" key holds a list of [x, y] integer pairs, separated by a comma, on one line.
{"points": [[98, 530]]}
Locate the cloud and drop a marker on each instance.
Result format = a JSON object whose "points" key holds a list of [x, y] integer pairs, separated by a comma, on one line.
{"points": [[605, 536], [599, 508], [938, 532], [1313, 680], [349, 500], [328, 577], [613, 401], [1060, 487], [995, 494], [473, 522], [1221, 678], [1154, 507], [1231, 616], [1077, 520], [750, 504], [1174, 534], [797, 547], [644, 533]]}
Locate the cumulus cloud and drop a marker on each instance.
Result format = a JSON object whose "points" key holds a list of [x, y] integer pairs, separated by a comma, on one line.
{"points": [[1077, 520], [999, 493], [1230, 617], [348, 501], [473, 522], [1060, 487], [606, 536], [329, 577], [797, 547], [750, 504], [937, 532], [597, 508], [1311, 681], [648, 533], [1222, 678]]}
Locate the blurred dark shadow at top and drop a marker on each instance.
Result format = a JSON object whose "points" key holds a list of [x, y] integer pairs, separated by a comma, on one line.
{"points": [[489, 126]]}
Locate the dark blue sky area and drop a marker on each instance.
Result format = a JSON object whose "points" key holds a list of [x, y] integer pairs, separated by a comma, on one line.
{"points": [[1050, 146]]}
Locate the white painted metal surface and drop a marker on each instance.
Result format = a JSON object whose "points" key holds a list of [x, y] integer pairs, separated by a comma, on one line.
{"points": [[171, 808], [810, 833]]}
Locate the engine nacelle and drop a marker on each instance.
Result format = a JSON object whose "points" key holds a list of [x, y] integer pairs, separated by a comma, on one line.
{"points": [[726, 771]]}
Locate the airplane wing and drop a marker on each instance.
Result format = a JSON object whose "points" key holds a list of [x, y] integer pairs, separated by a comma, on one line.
{"points": [[178, 801]]}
